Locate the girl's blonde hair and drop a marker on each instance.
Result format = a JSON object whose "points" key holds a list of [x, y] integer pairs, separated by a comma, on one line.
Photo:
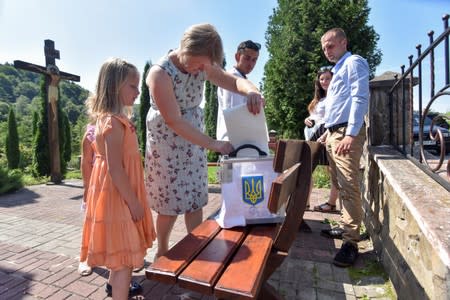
{"points": [[202, 40], [113, 73]]}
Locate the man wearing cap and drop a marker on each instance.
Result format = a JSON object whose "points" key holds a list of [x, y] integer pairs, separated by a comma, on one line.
{"points": [[246, 56]]}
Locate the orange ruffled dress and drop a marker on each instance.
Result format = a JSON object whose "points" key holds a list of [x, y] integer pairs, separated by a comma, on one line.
{"points": [[110, 236]]}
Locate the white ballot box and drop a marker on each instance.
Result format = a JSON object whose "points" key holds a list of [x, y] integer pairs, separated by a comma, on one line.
{"points": [[246, 184]]}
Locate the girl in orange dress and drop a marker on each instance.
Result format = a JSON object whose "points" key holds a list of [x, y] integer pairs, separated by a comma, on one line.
{"points": [[118, 227]]}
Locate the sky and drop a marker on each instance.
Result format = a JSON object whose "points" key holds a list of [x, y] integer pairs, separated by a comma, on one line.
{"points": [[88, 32]]}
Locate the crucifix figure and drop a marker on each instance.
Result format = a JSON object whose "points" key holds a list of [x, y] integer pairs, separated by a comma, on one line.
{"points": [[53, 76]]}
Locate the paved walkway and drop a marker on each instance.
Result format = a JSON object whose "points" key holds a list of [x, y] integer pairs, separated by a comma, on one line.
{"points": [[40, 232]]}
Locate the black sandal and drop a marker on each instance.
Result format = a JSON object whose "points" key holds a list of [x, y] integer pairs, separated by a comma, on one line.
{"points": [[135, 289], [325, 207]]}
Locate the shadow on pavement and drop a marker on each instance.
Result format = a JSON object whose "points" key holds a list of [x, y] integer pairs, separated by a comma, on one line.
{"points": [[18, 198]]}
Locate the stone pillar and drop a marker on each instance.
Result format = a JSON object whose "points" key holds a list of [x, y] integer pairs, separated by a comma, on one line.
{"points": [[380, 111]]}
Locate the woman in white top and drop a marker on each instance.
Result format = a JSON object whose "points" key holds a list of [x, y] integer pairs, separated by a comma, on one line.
{"points": [[315, 130]]}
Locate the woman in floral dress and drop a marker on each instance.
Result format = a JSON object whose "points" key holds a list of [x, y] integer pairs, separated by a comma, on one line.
{"points": [[176, 165]]}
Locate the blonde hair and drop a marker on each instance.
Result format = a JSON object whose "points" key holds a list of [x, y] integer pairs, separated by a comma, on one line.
{"points": [[202, 40], [113, 73]]}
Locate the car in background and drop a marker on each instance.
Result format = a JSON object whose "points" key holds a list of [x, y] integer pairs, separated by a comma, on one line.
{"points": [[428, 143], [439, 119]]}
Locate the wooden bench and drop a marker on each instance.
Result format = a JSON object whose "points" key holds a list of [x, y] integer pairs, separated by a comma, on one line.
{"points": [[236, 263]]}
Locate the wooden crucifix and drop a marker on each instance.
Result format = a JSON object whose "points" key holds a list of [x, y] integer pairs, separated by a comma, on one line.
{"points": [[53, 76]]}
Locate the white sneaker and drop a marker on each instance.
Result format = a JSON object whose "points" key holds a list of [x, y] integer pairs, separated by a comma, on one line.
{"points": [[84, 269]]}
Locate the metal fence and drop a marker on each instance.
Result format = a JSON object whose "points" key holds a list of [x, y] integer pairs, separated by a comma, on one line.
{"points": [[416, 129]]}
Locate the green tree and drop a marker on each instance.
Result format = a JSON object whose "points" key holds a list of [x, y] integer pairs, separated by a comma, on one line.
{"points": [[295, 55], [211, 106], [6, 88], [41, 151], [12, 141], [143, 109], [34, 122], [22, 106], [4, 110], [67, 146], [26, 88]]}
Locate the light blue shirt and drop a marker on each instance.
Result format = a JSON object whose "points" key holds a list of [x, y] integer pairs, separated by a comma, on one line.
{"points": [[348, 93]]}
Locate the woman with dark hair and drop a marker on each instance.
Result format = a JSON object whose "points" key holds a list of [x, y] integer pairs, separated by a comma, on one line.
{"points": [[315, 130]]}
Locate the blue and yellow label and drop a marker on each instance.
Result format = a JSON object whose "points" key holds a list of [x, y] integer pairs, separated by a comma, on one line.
{"points": [[253, 189]]}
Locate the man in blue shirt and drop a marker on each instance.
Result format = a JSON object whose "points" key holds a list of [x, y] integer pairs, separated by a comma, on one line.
{"points": [[345, 107]]}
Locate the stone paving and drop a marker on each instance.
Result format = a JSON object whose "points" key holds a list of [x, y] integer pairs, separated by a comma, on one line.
{"points": [[40, 232]]}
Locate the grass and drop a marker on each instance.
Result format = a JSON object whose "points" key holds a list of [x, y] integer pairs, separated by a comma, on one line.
{"points": [[212, 175], [73, 174], [28, 179], [321, 177], [373, 268]]}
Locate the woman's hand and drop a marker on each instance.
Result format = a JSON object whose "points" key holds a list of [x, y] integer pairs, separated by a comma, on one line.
{"points": [[309, 122], [323, 138], [222, 147]]}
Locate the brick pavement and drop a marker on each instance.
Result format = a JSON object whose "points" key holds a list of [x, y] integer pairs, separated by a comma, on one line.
{"points": [[40, 231]]}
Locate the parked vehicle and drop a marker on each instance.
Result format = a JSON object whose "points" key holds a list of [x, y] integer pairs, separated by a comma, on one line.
{"points": [[438, 119], [428, 143]]}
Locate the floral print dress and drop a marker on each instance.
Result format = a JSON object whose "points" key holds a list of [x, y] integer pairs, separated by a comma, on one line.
{"points": [[175, 169]]}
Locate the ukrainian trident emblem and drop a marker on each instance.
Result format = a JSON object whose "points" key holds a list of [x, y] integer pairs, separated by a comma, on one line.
{"points": [[252, 189]]}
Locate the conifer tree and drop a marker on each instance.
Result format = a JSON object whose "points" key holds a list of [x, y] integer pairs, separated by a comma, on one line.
{"points": [[67, 148], [41, 151], [143, 109], [210, 112], [34, 122], [12, 141]]}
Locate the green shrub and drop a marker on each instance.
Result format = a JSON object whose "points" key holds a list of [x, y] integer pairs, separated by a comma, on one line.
{"points": [[321, 177], [12, 141], [212, 175], [10, 180]]}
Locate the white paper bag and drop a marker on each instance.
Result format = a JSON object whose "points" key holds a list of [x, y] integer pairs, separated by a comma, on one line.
{"points": [[245, 128]]}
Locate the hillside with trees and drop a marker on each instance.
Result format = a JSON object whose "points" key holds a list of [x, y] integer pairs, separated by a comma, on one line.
{"points": [[23, 124], [20, 105]]}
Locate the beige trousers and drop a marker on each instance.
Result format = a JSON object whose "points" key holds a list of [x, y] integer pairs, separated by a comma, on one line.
{"points": [[347, 178]]}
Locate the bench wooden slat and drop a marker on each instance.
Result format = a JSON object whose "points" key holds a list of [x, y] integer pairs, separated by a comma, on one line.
{"points": [[288, 154], [169, 266], [202, 273], [316, 153], [233, 267], [282, 187], [243, 276], [297, 202]]}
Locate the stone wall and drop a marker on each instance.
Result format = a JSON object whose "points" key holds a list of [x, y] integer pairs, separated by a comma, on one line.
{"points": [[406, 212]]}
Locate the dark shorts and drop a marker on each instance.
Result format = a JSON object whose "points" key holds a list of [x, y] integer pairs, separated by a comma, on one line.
{"points": [[323, 158]]}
